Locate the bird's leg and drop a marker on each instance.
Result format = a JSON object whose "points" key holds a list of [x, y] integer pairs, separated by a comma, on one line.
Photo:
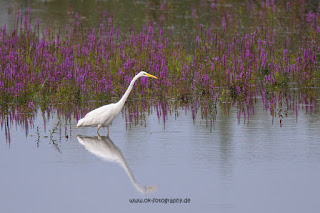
{"points": [[98, 128], [108, 130], [99, 137]]}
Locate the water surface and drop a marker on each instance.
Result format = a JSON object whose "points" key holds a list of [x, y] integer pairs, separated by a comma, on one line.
{"points": [[226, 166]]}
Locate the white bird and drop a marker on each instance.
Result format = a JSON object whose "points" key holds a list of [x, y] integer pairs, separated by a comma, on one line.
{"points": [[104, 115]]}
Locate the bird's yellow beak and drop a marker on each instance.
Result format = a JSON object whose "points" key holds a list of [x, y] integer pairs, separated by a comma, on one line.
{"points": [[152, 76]]}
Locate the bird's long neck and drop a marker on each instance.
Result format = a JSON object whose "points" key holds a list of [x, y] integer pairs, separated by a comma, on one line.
{"points": [[126, 94]]}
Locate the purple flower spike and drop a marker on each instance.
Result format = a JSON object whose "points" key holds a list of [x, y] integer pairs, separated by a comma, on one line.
{"points": [[31, 105]]}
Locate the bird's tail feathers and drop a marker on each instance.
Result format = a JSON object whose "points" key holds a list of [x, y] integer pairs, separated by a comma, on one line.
{"points": [[80, 123]]}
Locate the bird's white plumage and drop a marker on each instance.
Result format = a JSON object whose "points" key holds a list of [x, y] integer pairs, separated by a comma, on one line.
{"points": [[104, 115]]}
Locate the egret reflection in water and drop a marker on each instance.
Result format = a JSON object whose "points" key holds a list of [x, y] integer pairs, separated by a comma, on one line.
{"points": [[103, 147]]}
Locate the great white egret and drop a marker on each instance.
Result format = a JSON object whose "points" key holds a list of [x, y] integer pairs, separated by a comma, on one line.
{"points": [[104, 115]]}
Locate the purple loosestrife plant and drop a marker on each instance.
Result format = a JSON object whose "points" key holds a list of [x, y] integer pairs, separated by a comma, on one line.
{"points": [[228, 64]]}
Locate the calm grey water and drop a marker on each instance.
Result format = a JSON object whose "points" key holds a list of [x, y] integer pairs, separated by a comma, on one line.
{"points": [[126, 14], [226, 167]]}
